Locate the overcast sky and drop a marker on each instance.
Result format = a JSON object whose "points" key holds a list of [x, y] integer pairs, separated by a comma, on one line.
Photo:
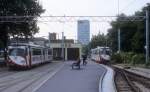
{"points": [[84, 8]]}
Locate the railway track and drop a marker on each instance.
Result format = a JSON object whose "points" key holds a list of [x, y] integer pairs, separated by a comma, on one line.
{"points": [[130, 82], [122, 82], [23, 79]]}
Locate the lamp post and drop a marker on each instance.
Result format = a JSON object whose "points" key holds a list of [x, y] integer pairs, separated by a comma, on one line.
{"points": [[49, 40], [62, 53]]}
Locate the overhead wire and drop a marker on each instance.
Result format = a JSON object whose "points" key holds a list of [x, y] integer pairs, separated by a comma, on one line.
{"points": [[65, 18]]}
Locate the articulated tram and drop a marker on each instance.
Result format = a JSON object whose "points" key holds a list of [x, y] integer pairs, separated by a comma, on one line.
{"points": [[2, 61], [101, 55], [27, 55]]}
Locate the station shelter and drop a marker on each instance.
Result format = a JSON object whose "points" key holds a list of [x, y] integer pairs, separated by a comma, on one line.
{"points": [[72, 51]]}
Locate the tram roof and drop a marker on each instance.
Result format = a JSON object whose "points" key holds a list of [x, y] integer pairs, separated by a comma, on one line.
{"points": [[100, 47], [25, 44], [103, 47]]}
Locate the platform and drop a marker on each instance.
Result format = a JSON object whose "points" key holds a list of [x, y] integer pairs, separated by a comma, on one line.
{"points": [[86, 79]]}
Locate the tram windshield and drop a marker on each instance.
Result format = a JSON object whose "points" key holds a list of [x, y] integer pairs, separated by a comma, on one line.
{"points": [[17, 52], [106, 51], [1, 54]]}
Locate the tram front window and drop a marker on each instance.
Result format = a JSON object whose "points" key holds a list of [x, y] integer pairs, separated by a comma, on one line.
{"points": [[107, 52], [16, 52], [1, 54]]}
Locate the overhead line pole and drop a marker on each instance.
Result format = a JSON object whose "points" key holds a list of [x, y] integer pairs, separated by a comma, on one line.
{"points": [[147, 37], [119, 41], [62, 53]]}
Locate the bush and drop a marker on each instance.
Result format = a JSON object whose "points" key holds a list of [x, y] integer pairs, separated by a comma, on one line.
{"points": [[116, 58], [127, 57], [138, 59]]}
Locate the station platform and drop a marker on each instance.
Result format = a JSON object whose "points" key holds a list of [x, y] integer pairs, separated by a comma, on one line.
{"points": [[138, 70], [86, 79]]}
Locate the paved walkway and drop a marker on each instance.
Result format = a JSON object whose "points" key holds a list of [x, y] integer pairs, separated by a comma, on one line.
{"points": [[67, 80]]}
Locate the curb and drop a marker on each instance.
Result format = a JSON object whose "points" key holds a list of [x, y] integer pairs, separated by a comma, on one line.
{"points": [[106, 83], [101, 79]]}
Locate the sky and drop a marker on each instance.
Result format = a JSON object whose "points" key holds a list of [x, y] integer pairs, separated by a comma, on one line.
{"points": [[84, 8]]}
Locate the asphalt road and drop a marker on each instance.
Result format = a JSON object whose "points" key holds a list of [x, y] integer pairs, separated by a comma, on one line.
{"points": [[67, 80]]}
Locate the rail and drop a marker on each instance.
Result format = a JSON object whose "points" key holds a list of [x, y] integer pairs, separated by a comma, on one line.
{"points": [[129, 81]]}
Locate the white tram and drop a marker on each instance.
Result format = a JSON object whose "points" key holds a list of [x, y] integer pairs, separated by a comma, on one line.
{"points": [[101, 54], [2, 57], [27, 55]]}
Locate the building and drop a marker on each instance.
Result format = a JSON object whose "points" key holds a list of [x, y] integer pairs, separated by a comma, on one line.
{"points": [[83, 31], [52, 36], [39, 41], [72, 50]]}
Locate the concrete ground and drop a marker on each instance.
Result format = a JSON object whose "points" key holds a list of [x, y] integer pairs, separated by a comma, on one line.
{"points": [[67, 80]]}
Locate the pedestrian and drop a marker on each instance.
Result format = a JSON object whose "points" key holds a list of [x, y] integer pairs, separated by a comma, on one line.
{"points": [[84, 59]]}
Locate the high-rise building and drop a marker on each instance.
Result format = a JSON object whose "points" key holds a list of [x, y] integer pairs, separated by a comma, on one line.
{"points": [[83, 31]]}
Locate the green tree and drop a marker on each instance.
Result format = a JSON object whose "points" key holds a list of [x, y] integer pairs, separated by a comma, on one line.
{"points": [[132, 32], [98, 40], [16, 8]]}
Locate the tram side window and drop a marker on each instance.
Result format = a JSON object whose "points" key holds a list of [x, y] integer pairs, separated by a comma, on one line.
{"points": [[1, 54], [100, 51], [36, 51], [108, 52], [94, 51], [49, 52]]}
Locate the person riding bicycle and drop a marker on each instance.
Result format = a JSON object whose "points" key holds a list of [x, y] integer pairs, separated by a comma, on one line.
{"points": [[84, 59]]}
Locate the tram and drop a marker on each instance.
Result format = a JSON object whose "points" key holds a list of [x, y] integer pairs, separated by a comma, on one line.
{"points": [[101, 55], [2, 61], [27, 55]]}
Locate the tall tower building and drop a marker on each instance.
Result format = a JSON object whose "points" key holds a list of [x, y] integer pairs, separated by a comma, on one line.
{"points": [[83, 31]]}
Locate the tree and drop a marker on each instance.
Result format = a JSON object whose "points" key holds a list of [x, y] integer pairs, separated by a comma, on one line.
{"points": [[19, 8], [132, 32], [85, 49], [98, 40]]}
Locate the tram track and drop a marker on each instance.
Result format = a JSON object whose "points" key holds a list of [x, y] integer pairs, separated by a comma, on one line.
{"points": [[25, 78], [123, 84], [139, 79], [29, 79], [6, 73], [126, 81]]}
